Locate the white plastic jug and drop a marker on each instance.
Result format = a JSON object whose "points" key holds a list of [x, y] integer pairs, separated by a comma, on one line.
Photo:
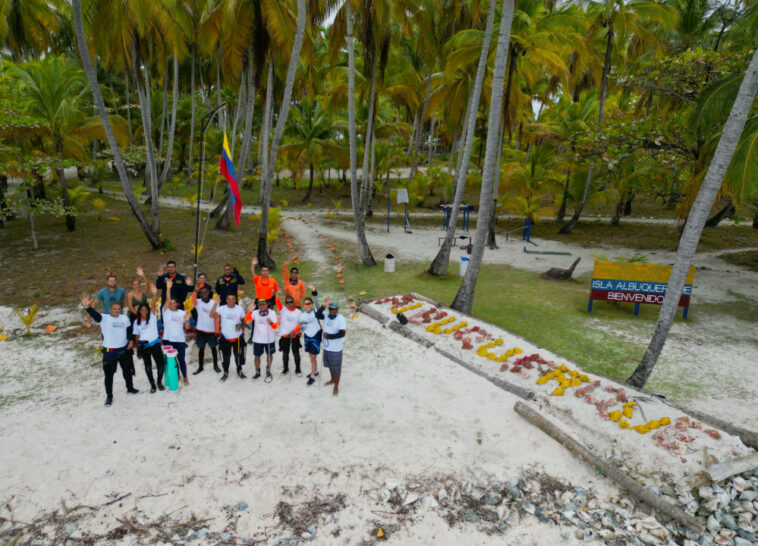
{"points": [[389, 263], [462, 266]]}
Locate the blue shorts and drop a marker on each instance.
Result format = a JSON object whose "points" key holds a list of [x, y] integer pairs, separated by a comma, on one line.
{"points": [[260, 348], [313, 344]]}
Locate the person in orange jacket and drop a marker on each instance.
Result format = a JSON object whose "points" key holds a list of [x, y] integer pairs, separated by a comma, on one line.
{"points": [[266, 287], [292, 285]]}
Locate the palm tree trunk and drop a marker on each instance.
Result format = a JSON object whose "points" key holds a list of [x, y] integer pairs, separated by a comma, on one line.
{"points": [[562, 210], [237, 113], [61, 175], [372, 167], [225, 221], [414, 130], [419, 132], [164, 110], [172, 127], [725, 212], [144, 92], [360, 231], [465, 298], [128, 106], [568, 228], [218, 84], [265, 132], [366, 170], [688, 242], [91, 73], [491, 240], [431, 141], [310, 183], [263, 257], [441, 260], [192, 99]]}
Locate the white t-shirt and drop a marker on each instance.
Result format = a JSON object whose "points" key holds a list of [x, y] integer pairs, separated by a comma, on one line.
{"points": [[205, 323], [290, 320], [310, 324], [148, 330], [114, 331], [173, 325], [263, 332], [230, 318], [333, 326]]}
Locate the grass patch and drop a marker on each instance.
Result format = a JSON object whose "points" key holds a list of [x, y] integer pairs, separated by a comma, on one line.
{"points": [[552, 315], [747, 259], [69, 263]]}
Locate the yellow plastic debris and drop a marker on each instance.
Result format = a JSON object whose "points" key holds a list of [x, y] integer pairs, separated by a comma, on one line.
{"points": [[665, 421], [558, 391], [615, 416], [624, 424]]}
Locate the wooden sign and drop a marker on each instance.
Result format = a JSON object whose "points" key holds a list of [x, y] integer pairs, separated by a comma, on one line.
{"points": [[635, 283]]}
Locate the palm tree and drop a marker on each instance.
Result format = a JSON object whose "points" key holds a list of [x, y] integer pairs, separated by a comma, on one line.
{"points": [[626, 19], [465, 298], [730, 137], [27, 27], [53, 90], [310, 134], [91, 74], [439, 265], [263, 257]]}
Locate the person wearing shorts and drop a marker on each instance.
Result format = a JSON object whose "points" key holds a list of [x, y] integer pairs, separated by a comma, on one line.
{"points": [[264, 336], [335, 326], [207, 330], [311, 328]]}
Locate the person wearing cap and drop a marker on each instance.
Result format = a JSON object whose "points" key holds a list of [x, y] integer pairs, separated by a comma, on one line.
{"points": [[230, 316], [265, 286], [117, 332], [290, 335], [264, 325], [335, 326], [292, 285]]}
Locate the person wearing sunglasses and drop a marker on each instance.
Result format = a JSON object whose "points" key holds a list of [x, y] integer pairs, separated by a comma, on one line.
{"points": [[290, 335]]}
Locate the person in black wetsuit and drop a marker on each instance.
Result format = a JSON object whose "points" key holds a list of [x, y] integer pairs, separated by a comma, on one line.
{"points": [[117, 333]]}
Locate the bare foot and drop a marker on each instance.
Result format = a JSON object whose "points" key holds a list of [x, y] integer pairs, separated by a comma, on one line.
{"points": [[186, 381], [336, 391], [330, 382]]}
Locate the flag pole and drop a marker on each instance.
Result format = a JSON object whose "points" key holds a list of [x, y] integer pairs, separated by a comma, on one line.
{"points": [[204, 123]]}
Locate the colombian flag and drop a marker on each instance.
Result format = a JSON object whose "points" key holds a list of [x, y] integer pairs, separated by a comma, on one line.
{"points": [[227, 169]]}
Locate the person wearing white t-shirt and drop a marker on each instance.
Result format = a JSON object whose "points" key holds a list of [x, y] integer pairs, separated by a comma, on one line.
{"points": [[145, 329], [264, 336], [335, 326], [116, 344], [230, 316], [289, 328], [311, 328], [207, 330], [174, 320]]}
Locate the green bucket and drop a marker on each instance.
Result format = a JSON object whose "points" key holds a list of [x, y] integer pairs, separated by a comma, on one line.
{"points": [[172, 369]]}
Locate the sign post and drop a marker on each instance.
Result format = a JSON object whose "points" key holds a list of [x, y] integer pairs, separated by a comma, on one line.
{"points": [[635, 283], [402, 199]]}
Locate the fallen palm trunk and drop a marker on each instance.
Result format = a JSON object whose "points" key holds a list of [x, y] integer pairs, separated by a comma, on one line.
{"points": [[366, 309], [622, 479], [727, 469], [521, 392], [421, 297]]}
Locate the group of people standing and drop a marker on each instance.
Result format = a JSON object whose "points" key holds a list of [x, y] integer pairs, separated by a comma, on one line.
{"points": [[132, 320]]}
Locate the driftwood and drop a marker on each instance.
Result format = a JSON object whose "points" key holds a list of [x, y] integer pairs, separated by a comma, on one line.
{"points": [[366, 309], [621, 478], [721, 471], [558, 273], [413, 336], [519, 391], [417, 296]]}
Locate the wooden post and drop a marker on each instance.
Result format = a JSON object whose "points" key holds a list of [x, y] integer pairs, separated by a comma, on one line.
{"points": [[611, 471]]}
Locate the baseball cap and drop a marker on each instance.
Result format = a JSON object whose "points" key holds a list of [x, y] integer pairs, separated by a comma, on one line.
{"points": [[262, 300], [334, 305]]}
